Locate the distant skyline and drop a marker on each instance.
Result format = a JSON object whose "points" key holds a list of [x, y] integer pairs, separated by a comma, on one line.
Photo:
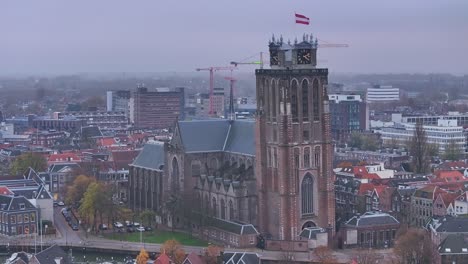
{"points": [[67, 37]]}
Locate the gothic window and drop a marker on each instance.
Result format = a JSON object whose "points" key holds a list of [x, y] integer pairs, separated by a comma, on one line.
{"points": [[213, 206], [269, 157], [231, 211], [223, 209], [316, 100], [296, 157], [305, 100], [175, 174], [317, 154], [207, 204], [294, 101], [196, 169], [275, 158], [307, 157], [273, 100], [307, 194], [266, 99]]}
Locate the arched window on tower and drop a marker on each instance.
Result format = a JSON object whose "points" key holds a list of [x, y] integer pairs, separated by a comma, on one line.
{"points": [[294, 101], [306, 157], [207, 204], [214, 207], [223, 209], [317, 155], [231, 211], [305, 100], [316, 100], [307, 194], [175, 175], [273, 100]]}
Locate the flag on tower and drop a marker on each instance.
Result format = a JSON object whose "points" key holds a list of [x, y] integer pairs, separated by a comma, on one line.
{"points": [[301, 19]]}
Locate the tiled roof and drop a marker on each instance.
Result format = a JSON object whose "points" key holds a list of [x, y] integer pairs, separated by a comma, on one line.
{"points": [[162, 259], [372, 219], [123, 158], [64, 157], [151, 156], [49, 255], [311, 232], [218, 135], [240, 258], [451, 224], [5, 191], [60, 166], [232, 227], [453, 175], [454, 244], [193, 258]]}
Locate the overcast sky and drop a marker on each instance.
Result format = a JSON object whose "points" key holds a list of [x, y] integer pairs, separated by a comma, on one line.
{"points": [[59, 36]]}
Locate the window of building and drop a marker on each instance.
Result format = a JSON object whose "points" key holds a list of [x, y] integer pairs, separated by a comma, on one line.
{"points": [[294, 101], [305, 100], [196, 169], [33, 217], [223, 209], [231, 211], [252, 240], [22, 206], [307, 194], [306, 134], [12, 219], [307, 157], [316, 100], [19, 219], [273, 101]]}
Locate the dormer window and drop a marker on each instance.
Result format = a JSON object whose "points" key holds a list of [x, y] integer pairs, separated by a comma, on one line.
{"points": [[22, 206]]}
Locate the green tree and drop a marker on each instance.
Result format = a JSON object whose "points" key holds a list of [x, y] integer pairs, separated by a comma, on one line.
{"points": [[355, 140], [95, 200], [418, 148], [452, 152], [76, 191], [28, 160], [147, 217]]}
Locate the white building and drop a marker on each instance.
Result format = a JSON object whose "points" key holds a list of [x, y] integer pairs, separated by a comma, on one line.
{"points": [[383, 93], [445, 133]]}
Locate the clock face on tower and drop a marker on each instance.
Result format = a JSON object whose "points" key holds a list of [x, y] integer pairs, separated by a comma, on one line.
{"points": [[274, 58], [304, 56]]}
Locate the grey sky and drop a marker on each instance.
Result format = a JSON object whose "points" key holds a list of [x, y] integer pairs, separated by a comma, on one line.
{"points": [[158, 36]]}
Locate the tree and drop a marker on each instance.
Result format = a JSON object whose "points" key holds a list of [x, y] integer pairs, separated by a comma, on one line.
{"points": [[147, 217], [366, 257], [143, 257], [418, 148], [355, 140], [28, 160], [452, 152], [174, 250], [212, 254], [76, 191], [415, 247], [95, 200], [324, 255]]}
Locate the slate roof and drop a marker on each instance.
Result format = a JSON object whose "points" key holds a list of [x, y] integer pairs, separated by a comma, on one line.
{"points": [[232, 227], [60, 166], [451, 224], [47, 256], [454, 244], [218, 135], [13, 203], [240, 258], [90, 132], [311, 232], [372, 219], [151, 156]]}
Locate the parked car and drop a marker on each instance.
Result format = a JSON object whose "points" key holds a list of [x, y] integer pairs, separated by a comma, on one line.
{"points": [[55, 204], [136, 224], [61, 203], [118, 225], [102, 227], [128, 223], [141, 229], [147, 228], [130, 230], [75, 227]]}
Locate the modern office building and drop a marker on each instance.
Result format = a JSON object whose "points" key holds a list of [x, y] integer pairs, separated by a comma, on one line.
{"points": [[382, 93], [100, 119], [158, 108], [349, 113], [118, 101], [217, 100], [445, 133]]}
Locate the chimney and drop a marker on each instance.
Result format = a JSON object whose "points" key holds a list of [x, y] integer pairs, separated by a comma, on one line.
{"points": [[58, 260]]}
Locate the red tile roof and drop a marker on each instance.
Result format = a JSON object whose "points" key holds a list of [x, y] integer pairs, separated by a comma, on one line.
{"points": [[107, 142], [194, 259], [5, 191], [162, 259], [450, 175], [64, 157]]}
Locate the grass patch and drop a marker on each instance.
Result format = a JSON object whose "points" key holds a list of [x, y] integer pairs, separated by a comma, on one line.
{"points": [[158, 237]]}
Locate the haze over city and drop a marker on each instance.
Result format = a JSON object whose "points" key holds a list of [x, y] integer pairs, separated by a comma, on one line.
{"points": [[57, 37]]}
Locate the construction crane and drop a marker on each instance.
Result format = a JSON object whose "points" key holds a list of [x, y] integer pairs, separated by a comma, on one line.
{"points": [[212, 70]]}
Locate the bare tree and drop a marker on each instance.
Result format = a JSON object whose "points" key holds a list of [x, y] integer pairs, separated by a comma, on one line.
{"points": [[415, 247], [366, 257], [419, 149], [324, 255]]}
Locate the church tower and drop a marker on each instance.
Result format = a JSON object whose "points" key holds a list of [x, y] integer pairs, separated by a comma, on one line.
{"points": [[293, 142]]}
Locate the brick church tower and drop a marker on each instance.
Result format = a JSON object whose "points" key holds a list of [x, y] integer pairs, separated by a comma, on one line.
{"points": [[293, 142]]}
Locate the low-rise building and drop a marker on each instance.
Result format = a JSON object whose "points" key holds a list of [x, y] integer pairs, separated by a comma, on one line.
{"points": [[453, 249], [18, 216], [370, 230]]}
